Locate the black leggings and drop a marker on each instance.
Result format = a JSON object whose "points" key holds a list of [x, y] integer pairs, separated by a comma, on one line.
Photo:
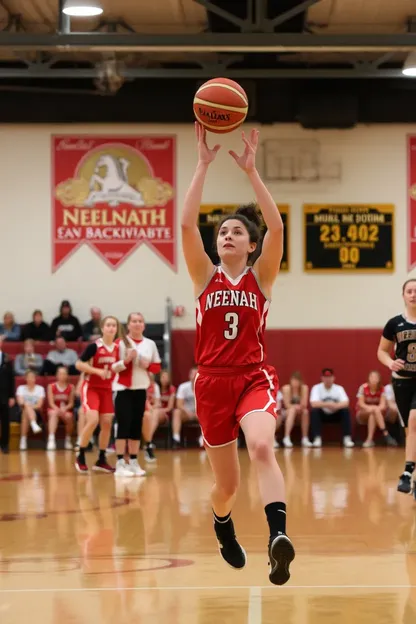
{"points": [[129, 409]]}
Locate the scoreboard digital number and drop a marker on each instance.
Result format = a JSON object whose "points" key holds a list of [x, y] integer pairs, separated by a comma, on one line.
{"points": [[211, 214], [349, 237]]}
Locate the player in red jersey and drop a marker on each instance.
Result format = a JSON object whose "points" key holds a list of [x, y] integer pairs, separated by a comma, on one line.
{"points": [[96, 392], [234, 386], [371, 408], [61, 397]]}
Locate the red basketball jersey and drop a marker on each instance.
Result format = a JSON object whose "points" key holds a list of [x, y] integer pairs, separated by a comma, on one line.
{"points": [[61, 395], [165, 396], [231, 318], [100, 356], [371, 398]]}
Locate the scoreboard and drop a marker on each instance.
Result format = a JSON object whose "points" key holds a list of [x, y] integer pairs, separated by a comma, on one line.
{"points": [[348, 237]]}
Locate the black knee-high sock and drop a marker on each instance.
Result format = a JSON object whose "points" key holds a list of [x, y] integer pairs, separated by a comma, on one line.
{"points": [[221, 519], [81, 454], [102, 457], [276, 517]]}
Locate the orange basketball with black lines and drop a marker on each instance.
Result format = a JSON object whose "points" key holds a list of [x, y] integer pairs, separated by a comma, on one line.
{"points": [[220, 105]]}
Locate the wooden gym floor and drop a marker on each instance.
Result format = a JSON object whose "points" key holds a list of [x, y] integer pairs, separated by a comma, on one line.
{"points": [[76, 550]]}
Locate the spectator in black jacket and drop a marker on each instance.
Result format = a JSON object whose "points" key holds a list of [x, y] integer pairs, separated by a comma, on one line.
{"points": [[37, 330], [66, 325], [7, 399]]}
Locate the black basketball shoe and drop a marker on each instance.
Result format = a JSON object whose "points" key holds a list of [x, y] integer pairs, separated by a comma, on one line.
{"points": [[281, 554], [229, 548], [405, 483]]}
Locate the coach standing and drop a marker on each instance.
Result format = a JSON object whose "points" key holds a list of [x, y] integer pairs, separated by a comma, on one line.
{"points": [[7, 399]]}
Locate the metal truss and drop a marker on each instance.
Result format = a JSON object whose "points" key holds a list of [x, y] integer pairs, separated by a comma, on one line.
{"points": [[46, 71], [256, 20], [248, 43]]}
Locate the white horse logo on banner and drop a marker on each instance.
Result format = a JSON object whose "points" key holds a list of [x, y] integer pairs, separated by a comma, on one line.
{"points": [[114, 185]]}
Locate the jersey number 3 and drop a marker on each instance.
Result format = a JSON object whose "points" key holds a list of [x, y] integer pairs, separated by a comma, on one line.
{"points": [[232, 319]]}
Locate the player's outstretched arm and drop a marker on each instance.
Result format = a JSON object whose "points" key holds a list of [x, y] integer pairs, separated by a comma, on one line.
{"points": [[199, 265], [268, 264]]}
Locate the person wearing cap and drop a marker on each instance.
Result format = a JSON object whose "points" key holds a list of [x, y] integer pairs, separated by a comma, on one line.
{"points": [[329, 403], [66, 325]]}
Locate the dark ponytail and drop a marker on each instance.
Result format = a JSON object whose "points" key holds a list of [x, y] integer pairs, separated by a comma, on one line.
{"points": [[250, 217]]}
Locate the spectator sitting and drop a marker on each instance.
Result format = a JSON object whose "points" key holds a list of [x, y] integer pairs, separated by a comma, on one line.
{"points": [[61, 396], [185, 409], [9, 328], [392, 413], [329, 402], [30, 398], [371, 407], [295, 402], [167, 393], [29, 360], [91, 330], [60, 356], [66, 325], [37, 330]]}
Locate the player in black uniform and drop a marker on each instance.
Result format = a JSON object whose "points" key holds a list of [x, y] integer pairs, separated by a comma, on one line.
{"points": [[401, 332]]}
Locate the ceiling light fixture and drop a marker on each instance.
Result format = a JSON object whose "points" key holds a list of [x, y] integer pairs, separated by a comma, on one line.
{"points": [[82, 8], [409, 67]]}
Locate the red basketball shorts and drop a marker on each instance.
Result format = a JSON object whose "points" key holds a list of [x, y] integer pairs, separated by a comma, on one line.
{"points": [[223, 400], [97, 399]]}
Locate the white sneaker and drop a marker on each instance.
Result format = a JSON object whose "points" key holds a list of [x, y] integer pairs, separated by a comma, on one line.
{"points": [[348, 443], [68, 444], [35, 427], [306, 443], [51, 446], [23, 444], [317, 443], [287, 442], [135, 467], [201, 441], [123, 469]]}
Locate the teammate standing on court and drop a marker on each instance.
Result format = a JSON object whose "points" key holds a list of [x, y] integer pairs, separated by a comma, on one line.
{"points": [[401, 332], [138, 356], [96, 393], [234, 387]]}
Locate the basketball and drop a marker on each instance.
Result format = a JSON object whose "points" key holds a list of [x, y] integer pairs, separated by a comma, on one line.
{"points": [[220, 105]]}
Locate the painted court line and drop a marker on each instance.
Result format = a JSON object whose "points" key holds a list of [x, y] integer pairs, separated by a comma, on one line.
{"points": [[254, 606], [257, 589]]}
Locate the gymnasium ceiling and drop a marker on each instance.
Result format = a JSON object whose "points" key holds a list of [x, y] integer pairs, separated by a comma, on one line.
{"points": [[280, 37], [361, 42]]}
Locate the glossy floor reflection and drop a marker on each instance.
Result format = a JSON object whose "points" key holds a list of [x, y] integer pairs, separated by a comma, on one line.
{"points": [[76, 549]]}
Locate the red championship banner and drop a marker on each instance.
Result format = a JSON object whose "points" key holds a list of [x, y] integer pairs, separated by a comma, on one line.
{"points": [[411, 214], [113, 194]]}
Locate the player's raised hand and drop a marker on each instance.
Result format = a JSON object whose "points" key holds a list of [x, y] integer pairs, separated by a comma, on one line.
{"points": [[247, 160], [206, 155], [397, 365]]}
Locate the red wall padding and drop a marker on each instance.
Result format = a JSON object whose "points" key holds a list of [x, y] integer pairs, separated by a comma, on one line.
{"points": [[352, 353]]}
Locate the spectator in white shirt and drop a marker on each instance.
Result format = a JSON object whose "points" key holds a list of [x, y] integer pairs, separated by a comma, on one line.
{"points": [[329, 403], [392, 410], [30, 398], [185, 408]]}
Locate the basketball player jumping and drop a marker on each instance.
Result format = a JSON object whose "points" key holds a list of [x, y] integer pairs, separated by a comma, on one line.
{"points": [[234, 387], [401, 331]]}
